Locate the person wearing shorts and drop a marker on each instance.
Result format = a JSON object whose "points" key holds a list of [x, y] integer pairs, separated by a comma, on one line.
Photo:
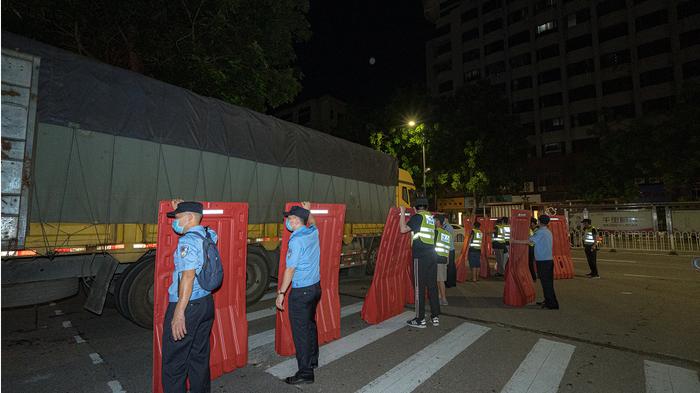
{"points": [[443, 239]]}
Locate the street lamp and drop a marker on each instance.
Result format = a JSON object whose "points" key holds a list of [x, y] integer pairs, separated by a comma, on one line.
{"points": [[412, 123]]}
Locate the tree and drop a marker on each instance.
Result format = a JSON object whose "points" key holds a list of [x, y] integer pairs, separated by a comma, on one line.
{"points": [[239, 51], [405, 143]]}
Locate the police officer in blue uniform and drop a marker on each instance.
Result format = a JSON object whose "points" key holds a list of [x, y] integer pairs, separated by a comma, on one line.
{"points": [[303, 275], [190, 313]]}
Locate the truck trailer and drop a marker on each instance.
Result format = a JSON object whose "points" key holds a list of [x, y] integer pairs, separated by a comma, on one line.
{"points": [[89, 149]]}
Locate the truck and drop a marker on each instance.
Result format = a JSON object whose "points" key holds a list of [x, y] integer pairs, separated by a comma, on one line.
{"points": [[89, 149]]}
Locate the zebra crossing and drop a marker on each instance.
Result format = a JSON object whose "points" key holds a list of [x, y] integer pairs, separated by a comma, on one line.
{"points": [[542, 370]]}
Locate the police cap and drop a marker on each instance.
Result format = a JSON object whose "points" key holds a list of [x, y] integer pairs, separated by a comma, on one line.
{"points": [[189, 206], [299, 212]]}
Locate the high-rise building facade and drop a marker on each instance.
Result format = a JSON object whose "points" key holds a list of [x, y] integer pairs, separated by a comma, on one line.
{"points": [[564, 63]]}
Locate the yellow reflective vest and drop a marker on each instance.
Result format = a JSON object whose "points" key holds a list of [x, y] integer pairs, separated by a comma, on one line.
{"points": [[426, 234], [442, 242], [476, 239]]}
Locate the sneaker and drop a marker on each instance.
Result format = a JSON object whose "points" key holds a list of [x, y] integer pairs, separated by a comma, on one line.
{"points": [[596, 276], [589, 275], [436, 321], [417, 323], [443, 302]]}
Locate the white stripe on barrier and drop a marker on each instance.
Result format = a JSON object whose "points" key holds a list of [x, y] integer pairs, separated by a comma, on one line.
{"points": [[412, 372], [339, 348], [663, 378], [542, 369]]}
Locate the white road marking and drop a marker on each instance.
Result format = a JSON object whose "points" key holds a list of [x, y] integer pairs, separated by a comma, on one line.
{"points": [[116, 387], [269, 296], [264, 313], [658, 277], [339, 348], [58, 312], [415, 370], [268, 336], [52, 304], [79, 340], [96, 359], [542, 369], [664, 378], [606, 260], [67, 324], [626, 293]]}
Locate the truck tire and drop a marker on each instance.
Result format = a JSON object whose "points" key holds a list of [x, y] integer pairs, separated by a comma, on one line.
{"points": [[257, 277], [122, 296], [372, 260], [140, 293], [118, 285]]}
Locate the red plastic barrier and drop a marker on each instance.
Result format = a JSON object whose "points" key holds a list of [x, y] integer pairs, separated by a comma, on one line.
{"points": [[229, 335], [518, 290], [487, 228], [561, 248], [392, 286], [330, 219], [462, 263]]}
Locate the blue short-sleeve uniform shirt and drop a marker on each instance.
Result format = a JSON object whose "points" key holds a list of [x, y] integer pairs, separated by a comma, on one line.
{"points": [[304, 255], [189, 256], [542, 239]]}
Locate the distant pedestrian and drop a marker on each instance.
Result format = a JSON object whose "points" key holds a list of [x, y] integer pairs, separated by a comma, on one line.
{"points": [[422, 224], [443, 239], [590, 247], [542, 239], [531, 250], [190, 313], [303, 275], [498, 243], [451, 267], [474, 253]]}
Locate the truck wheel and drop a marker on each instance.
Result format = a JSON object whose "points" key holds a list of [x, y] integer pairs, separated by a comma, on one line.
{"points": [[118, 285], [140, 297], [257, 277], [122, 296], [371, 261]]}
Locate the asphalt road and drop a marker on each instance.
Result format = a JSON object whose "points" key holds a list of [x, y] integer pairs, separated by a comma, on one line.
{"points": [[634, 330]]}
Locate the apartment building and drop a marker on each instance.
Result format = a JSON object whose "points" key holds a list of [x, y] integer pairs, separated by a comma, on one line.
{"points": [[564, 63]]}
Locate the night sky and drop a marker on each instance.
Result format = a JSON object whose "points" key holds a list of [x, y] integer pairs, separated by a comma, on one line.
{"points": [[347, 34]]}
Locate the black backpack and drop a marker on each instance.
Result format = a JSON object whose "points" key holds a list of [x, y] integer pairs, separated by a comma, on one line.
{"points": [[212, 273]]}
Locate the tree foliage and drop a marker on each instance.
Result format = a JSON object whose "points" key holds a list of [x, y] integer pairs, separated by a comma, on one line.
{"points": [[239, 51]]}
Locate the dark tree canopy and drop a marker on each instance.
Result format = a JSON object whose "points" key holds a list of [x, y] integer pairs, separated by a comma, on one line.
{"points": [[239, 51]]}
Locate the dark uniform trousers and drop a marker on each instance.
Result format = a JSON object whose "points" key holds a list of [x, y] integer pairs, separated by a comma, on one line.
{"points": [[531, 262], [425, 276], [545, 269], [302, 316], [188, 357], [592, 257]]}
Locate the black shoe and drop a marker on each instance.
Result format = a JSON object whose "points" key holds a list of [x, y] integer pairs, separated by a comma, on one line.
{"points": [[298, 380], [539, 303], [550, 307], [417, 323]]}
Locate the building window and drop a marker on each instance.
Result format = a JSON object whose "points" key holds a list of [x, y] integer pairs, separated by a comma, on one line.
{"points": [[550, 100], [584, 119], [550, 125], [576, 18], [549, 76], [614, 59], [654, 48], [612, 32], [608, 6], [471, 55], [547, 52], [529, 128], [493, 47], [617, 85], [553, 148], [447, 6], [547, 28], [495, 68], [470, 35], [472, 75], [491, 5], [585, 145], [445, 87], [543, 5], [442, 30], [304, 115], [517, 16], [582, 93], [625, 111], [655, 77], [493, 25], [690, 38], [648, 21], [581, 67], [442, 67], [520, 60], [519, 38], [579, 42], [443, 48], [658, 105], [687, 8], [691, 69], [523, 106], [470, 15], [521, 83]]}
